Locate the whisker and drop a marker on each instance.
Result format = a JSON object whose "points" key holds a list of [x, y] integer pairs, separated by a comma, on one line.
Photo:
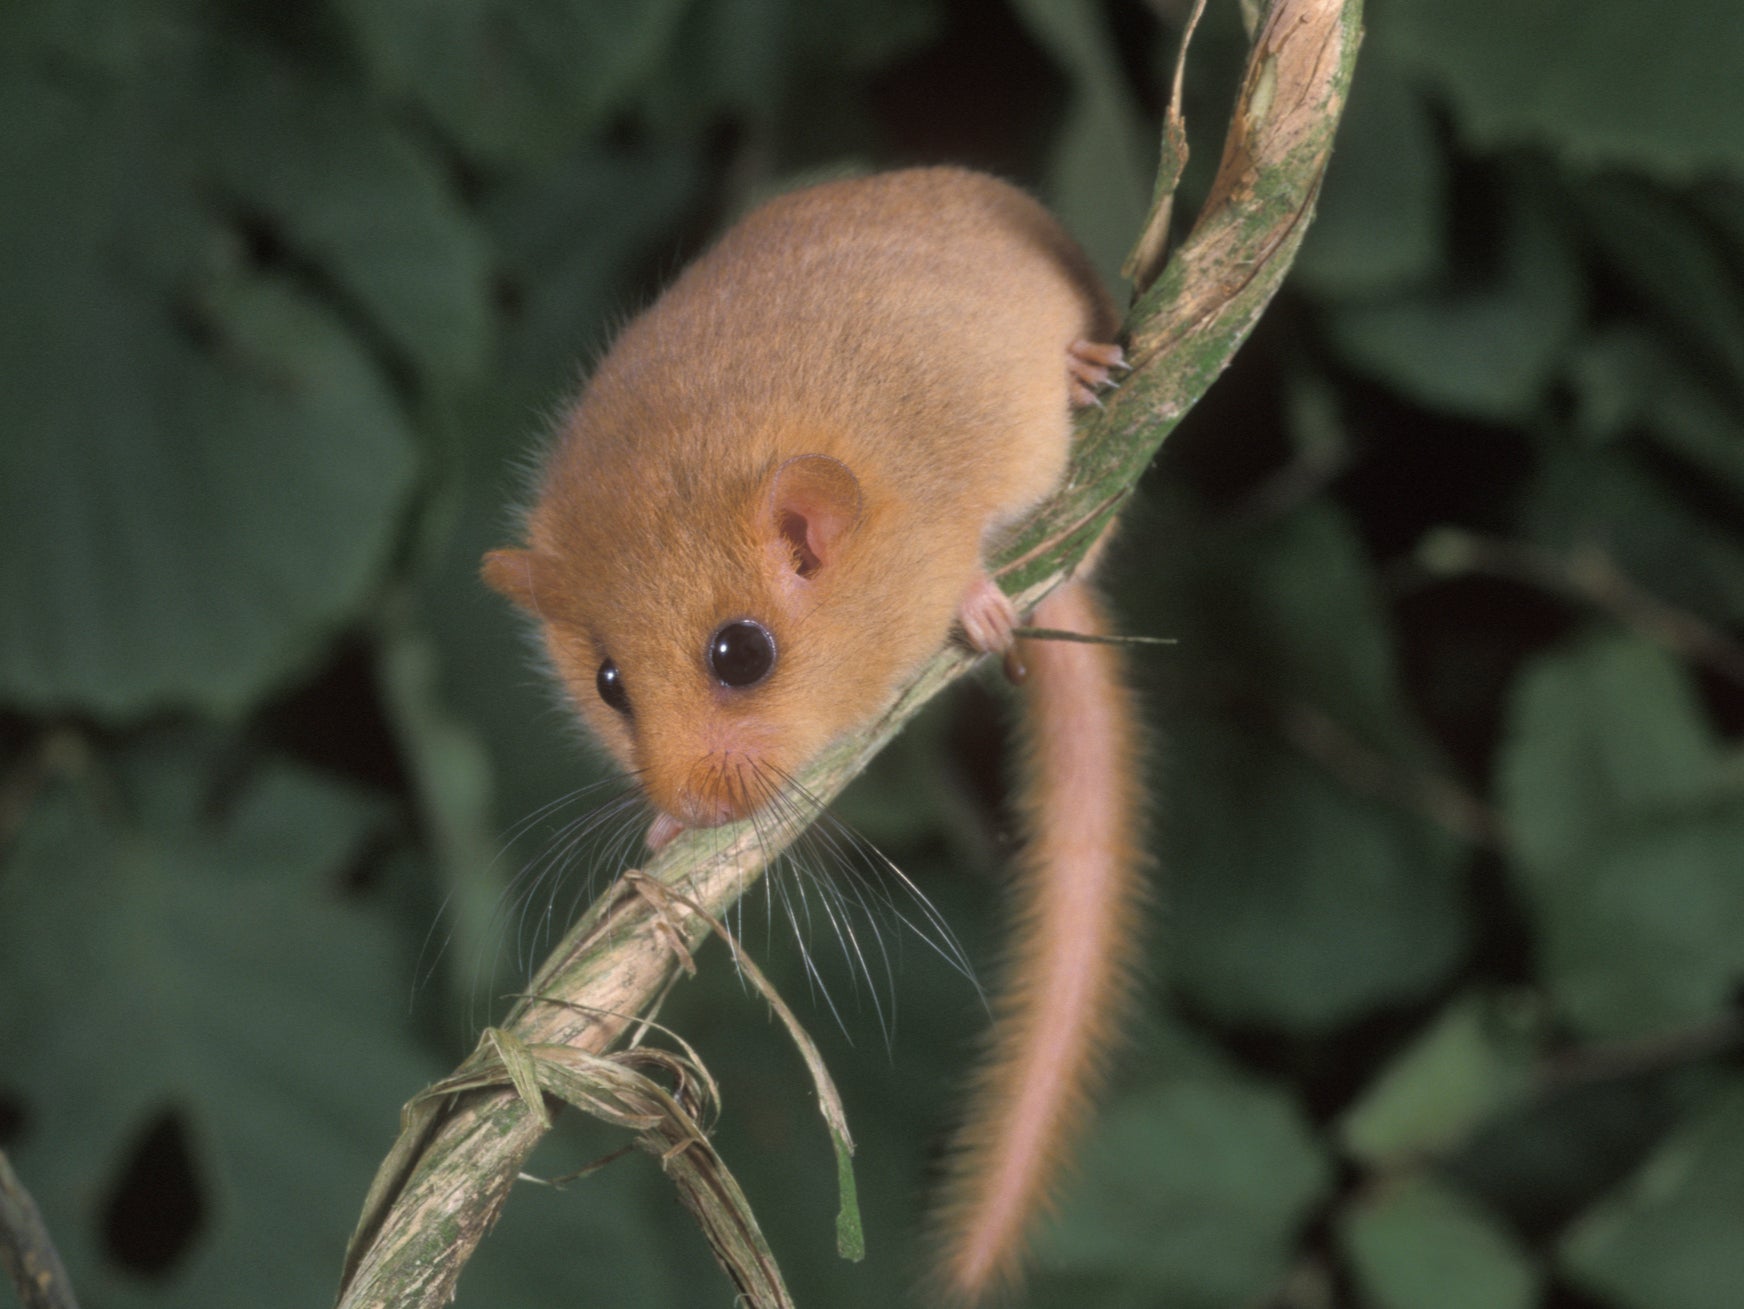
{"points": [[519, 921], [875, 871], [825, 881], [814, 978], [423, 972], [857, 887], [621, 826], [837, 910], [554, 865]]}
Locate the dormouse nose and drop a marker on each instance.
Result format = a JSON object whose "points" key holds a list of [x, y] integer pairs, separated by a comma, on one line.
{"points": [[715, 789]]}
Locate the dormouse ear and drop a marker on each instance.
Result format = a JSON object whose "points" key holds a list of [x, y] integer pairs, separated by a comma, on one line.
{"points": [[814, 502], [515, 574]]}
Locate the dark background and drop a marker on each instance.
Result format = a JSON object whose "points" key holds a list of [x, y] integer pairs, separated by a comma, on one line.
{"points": [[1450, 805]]}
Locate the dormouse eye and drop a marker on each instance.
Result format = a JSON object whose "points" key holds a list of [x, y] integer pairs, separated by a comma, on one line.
{"points": [[742, 653], [610, 683]]}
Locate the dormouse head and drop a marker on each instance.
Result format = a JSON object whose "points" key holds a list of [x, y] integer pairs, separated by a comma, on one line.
{"points": [[686, 636]]}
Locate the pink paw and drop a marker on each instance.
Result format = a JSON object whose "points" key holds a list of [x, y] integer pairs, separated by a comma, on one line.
{"points": [[1089, 368], [986, 616]]}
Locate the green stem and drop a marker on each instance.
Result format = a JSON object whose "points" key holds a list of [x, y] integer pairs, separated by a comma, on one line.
{"points": [[26, 1253]]}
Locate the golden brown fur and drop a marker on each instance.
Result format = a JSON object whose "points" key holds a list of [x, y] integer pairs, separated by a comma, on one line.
{"points": [[883, 362], [913, 326]]}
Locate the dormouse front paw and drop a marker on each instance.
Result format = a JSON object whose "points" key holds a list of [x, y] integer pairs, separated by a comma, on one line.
{"points": [[986, 616]]}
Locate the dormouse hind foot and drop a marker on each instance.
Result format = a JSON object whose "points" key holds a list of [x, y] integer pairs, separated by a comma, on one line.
{"points": [[986, 615], [1090, 367]]}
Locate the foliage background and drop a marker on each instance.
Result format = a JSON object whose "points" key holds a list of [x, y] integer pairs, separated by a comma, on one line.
{"points": [[1450, 803]]}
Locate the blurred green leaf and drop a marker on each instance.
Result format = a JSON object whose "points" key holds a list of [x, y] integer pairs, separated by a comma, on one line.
{"points": [[1616, 375], [798, 64], [1281, 608], [1659, 249], [96, 35], [187, 533], [1195, 1189], [1600, 83], [451, 776], [1627, 827], [1380, 223], [1648, 932], [1298, 601], [1314, 423], [1585, 500], [211, 971], [1484, 344], [573, 241], [1669, 1238], [1599, 734], [1474, 1058], [1547, 1156], [358, 198], [1720, 201], [1630, 379], [514, 82], [203, 468], [1416, 1244], [1697, 422], [1099, 181], [1294, 899], [1295, 902]]}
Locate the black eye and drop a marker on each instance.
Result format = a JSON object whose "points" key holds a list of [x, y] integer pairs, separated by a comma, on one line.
{"points": [[610, 683], [742, 653]]}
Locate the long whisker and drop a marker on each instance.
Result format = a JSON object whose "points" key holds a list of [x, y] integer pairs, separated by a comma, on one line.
{"points": [[425, 966], [852, 881], [875, 870], [838, 911], [611, 854], [517, 917], [779, 886], [557, 861], [818, 838]]}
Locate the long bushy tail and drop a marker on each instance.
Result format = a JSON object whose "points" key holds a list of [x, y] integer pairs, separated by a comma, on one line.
{"points": [[1079, 907]]}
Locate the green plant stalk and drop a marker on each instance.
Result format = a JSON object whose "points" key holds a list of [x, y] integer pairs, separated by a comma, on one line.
{"points": [[445, 1182], [27, 1255]]}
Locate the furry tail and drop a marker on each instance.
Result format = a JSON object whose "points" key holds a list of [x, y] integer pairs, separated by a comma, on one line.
{"points": [[1079, 895]]}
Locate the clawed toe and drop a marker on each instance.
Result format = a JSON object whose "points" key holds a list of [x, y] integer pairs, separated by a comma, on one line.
{"points": [[1090, 366]]}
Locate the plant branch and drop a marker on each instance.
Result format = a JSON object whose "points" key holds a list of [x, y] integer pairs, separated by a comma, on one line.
{"points": [[27, 1254], [447, 1178]]}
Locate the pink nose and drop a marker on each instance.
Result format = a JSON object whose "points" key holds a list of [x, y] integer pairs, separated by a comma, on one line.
{"points": [[693, 812]]}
